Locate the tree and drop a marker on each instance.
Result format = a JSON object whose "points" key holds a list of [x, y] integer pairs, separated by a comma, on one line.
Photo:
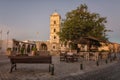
{"points": [[80, 22]]}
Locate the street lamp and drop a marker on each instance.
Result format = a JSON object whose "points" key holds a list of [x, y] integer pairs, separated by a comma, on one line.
{"points": [[7, 38]]}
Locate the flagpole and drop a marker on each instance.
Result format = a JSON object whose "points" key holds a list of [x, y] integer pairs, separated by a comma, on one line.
{"points": [[7, 37], [1, 34], [37, 35], [7, 41]]}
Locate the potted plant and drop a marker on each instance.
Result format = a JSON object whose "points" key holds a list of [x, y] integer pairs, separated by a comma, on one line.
{"points": [[22, 51], [9, 51], [33, 51]]}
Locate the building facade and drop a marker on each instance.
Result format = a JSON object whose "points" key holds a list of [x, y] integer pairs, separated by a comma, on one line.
{"points": [[53, 44], [54, 29]]}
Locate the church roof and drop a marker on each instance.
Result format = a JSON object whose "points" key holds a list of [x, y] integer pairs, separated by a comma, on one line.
{"points": [[55, 13]]}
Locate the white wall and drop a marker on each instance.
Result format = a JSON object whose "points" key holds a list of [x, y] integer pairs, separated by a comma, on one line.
{"points": [[4, 45]]}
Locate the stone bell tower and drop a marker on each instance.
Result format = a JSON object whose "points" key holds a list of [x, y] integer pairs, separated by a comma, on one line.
{"points": [[54, 29]]}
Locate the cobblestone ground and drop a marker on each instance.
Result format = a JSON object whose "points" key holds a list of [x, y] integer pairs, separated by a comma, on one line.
{"points": [[63, 71], [108, 73]]}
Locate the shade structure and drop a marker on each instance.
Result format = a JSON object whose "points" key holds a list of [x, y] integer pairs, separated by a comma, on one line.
{"points": [[89, 41]]}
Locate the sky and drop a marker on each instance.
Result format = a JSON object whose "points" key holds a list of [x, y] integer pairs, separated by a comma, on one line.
{"points": [[23, 19]]}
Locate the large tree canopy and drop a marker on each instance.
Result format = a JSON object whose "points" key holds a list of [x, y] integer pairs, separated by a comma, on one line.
{"points": [[81, 22]]}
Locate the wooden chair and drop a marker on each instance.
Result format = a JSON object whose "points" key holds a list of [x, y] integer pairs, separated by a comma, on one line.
{"points": [[62, 56]]}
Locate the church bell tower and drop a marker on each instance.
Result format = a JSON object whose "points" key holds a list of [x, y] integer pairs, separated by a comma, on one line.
{"points": [[54, 29]]}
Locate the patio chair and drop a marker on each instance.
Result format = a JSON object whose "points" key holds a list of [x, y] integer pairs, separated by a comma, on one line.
{"points": [[62, 56]]}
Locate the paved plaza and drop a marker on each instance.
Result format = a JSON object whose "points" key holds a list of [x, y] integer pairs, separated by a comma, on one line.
{"points": [[63, 70]]}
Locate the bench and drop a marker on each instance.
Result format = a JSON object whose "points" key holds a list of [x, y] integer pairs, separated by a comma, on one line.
{"points": [[31, 59]]}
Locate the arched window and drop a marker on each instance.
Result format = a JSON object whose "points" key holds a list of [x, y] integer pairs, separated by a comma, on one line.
{"points": [[54, 22], [53, 47], [54, 37], [54, 30]]}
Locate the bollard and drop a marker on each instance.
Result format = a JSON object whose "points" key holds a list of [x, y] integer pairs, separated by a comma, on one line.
{"points": [[81, 66], [49, 68], [106, 61], [110, 59], [52, 69], [97, 63]]}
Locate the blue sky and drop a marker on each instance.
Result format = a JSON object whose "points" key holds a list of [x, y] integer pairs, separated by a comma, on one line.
{"points": [[24, 18]]}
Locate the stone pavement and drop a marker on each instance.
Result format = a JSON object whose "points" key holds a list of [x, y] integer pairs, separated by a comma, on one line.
{"points": [[108, 73], [63, 70]]}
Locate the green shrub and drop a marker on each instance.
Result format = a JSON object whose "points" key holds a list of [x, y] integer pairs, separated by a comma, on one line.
{"points": [[22, 50], [34, 49], [8, 49]]}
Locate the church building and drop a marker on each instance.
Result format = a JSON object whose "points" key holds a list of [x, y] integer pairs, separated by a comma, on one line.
{"points": [[53, 44]]}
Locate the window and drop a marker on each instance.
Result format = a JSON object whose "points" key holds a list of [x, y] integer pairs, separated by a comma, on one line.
{"points": [[54, 30], [53, 47], [54, 22], [54, 37]]}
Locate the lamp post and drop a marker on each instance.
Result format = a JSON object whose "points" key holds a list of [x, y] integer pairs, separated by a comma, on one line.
{"points": [[7, 38], [97, 62]]}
